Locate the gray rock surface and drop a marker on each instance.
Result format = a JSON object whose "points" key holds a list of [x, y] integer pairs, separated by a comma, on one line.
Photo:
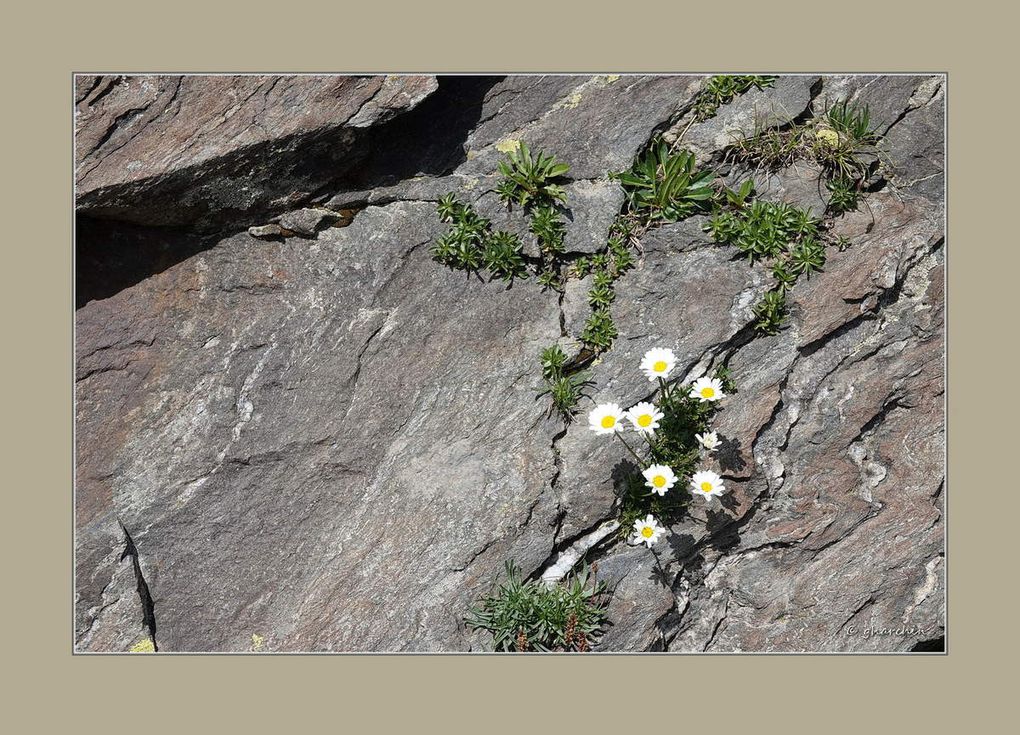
{"points": [[174, 150], [332, 443]]}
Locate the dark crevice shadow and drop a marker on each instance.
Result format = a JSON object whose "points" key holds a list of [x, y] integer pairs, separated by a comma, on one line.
{"points": [[430, 139], [113, 254], [934, 645]]}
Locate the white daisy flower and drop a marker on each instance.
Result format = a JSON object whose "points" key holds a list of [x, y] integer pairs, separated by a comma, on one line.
{"points": [[707, 389], [657, 362], [709, 440], [660, 478], [606, 418], [647, 531], [645, 417], [707, 484]]}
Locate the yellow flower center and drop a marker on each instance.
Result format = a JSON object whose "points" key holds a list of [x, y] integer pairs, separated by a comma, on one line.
{"points": [[660, 366], [658, 481], [707, 392], [706, 487], [644, 420], [647, 531], [608, 422]]}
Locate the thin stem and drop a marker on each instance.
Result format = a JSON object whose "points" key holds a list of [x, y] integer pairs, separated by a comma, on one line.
{"points": [[629, 449]]}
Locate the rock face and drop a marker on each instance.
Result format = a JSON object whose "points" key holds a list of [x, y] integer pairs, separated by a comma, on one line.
{"points": [[174, 150], [319, 439]]}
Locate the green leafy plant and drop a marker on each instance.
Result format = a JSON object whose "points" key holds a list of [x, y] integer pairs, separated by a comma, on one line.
{"points": [[738, 197], [666, 186], [462, 247], [551, 278], [553, 359], [786, 236], [771, 311], [548, 229], [449, 208], [719, 90], [528, 180], [763, 229], [844, 194], [807, 256], [564, 388], [566, 391], [599, 331], [852, 120], [502, 255], [528, 615]]}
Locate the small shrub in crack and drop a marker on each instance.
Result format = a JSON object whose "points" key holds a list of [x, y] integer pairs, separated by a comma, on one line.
{"points": [[844, 194], [721, 89], [666, 185], [842, 141], [565, 388], [462, 246], [528, 180], [530, 616], [503, 255], [784, 235], [674, 437], [548, 229]]}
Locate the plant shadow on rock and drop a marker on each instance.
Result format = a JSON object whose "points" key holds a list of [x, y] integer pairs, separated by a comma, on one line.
{"points": [[112, 255], [729, 456]]}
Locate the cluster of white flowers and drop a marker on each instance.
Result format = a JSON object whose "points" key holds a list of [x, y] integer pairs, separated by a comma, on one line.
{"points": [[644, 418]]}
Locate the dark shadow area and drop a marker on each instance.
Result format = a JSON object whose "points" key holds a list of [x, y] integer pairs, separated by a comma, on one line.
{"points": [[112, 255], [430, 138], [723, 531], [934, 645], [730, 458], [120, 245]]}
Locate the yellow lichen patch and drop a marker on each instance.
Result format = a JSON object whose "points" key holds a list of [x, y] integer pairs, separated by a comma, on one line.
{"points": [[572, 101], [471, 155], [508, 145], [470, 184], [143, 646], [257, 642], [612, 78]]}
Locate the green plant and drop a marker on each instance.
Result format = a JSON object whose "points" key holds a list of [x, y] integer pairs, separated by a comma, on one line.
{"points": [[565, 388], [502, 254], [550, 278], [527, 180], [599, 331], [763, 229], [771, 311], [719, 90], [844, 194], [582, 267], [449, 208], [807, 256], [548, 228], [463, 246], [553, 359], [737, 198], [665, 185], [844, 142], [769, 147], [531, 616], [852, 120], [566, 391]]}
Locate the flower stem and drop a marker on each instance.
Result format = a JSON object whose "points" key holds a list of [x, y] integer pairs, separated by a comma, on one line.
{"points": [[640, 461]]}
